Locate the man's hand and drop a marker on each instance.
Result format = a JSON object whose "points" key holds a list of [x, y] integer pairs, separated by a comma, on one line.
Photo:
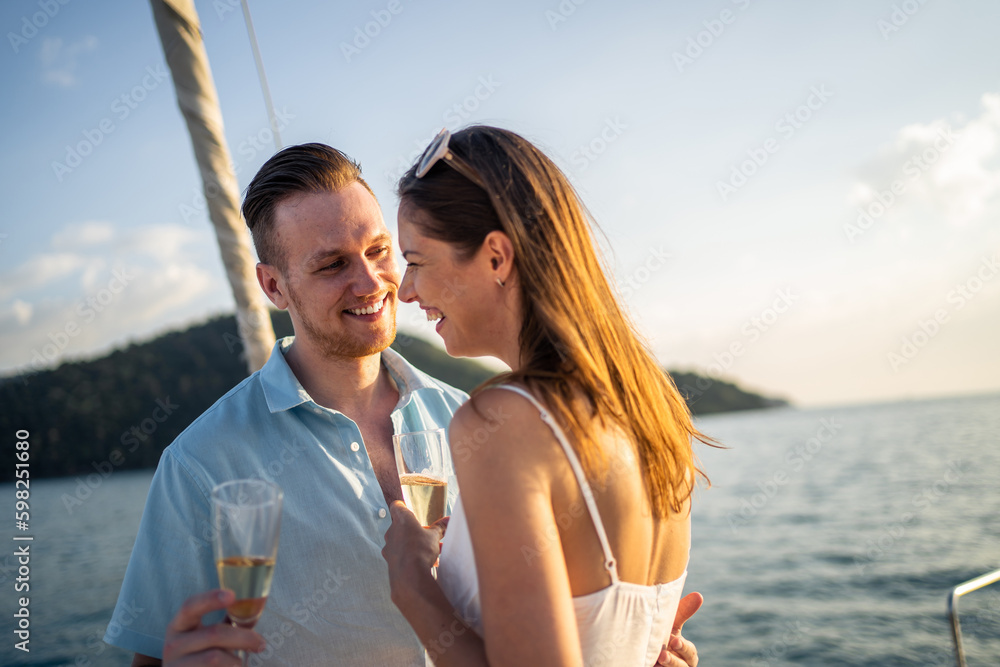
{"points": [[191, 644], [679, 652]]}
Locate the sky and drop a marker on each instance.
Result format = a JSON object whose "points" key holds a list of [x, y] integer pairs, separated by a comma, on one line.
{"points": [[799, 197]]}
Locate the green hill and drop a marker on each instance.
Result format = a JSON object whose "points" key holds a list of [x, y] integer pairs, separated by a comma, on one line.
{"points": [[706, 396], [121, 410]]}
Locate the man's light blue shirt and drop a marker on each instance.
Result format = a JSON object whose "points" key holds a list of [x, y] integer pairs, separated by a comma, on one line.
{"points": [[329, 603]]}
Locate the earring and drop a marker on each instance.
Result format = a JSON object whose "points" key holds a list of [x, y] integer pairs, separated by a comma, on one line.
{"points": [[499, 282]]}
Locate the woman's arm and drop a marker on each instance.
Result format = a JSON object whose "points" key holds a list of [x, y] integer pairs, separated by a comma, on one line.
{"points": [[527, 607], [505, 477], [410, 552]]}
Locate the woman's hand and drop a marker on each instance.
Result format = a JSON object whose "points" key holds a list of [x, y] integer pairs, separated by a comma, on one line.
{"points": [[679, 652], [410, 548], [190, 644]]}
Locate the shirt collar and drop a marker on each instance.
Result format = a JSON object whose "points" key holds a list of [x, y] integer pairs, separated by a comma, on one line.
{"points": [[408, 379], [283, 391]]}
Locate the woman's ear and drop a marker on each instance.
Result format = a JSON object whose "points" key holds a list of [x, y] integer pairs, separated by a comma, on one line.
{"points": [[500, 252]]}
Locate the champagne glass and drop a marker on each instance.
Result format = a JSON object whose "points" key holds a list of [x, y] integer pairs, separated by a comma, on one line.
{"points": [[246, 515], [423, 472]]}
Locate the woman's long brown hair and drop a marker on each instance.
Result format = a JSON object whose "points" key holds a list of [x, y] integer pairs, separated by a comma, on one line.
{"points": [[575, 338]]}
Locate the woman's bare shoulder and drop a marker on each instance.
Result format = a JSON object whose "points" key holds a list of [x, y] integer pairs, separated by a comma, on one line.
{"points": [[499, 428]]}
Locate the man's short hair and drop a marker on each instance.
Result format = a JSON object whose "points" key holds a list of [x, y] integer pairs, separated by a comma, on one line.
{"points": [[308, 168]]}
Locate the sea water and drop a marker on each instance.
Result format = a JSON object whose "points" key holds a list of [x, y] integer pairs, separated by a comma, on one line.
{"points": [[829, 537]]}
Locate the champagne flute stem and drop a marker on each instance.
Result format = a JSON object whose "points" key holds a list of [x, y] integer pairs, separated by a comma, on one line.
{"points": [[242, 655]]}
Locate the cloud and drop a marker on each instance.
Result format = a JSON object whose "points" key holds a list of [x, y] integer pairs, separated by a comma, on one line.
{"points": [[163, 242], [40, 271], [87, 233], [21, 311], [948, 170], [60, 61], [117, 284]]}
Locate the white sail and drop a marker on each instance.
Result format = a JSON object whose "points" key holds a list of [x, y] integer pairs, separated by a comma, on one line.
{"points": [[180, 34]]}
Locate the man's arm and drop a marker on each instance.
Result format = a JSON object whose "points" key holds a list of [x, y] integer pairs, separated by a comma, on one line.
{"points": [[174, 542]]}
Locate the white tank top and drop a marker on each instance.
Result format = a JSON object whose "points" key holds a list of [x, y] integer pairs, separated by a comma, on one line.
{"points": [[622, 625]]}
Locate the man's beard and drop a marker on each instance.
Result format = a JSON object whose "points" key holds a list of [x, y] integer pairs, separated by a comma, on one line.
{"points": [[344, 345]]}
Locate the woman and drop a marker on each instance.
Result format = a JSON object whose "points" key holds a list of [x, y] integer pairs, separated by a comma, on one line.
{"points": [[497, 289], [570, 541]]}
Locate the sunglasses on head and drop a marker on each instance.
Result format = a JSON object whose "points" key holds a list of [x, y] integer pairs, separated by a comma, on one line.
{"points": [[438, 150]]}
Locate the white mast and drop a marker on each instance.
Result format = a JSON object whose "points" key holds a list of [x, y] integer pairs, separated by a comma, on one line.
{"points": [[180, 34]]}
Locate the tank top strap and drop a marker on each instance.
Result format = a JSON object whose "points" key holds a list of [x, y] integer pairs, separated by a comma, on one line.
{"points": [[588, 495]]}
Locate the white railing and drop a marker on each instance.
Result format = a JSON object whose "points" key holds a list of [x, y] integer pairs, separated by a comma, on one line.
{"points": [[957, 592]]}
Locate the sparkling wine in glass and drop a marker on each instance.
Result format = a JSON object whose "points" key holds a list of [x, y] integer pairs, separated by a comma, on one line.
{"points": [[423, 472], [246, 515]]}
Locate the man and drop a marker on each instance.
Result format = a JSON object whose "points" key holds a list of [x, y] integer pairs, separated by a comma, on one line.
{"points": [[317, 419]]}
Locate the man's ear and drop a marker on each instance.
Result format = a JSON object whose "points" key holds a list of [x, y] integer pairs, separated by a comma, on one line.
{"points": [[273, 284], [500, 252]]}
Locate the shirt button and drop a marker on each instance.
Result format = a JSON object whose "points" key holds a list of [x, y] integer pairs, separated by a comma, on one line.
{"points": [[355, 446], [381, 513]]}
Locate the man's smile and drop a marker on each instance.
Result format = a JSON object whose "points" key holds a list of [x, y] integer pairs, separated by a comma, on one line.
{"points": [[372, 309]]}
